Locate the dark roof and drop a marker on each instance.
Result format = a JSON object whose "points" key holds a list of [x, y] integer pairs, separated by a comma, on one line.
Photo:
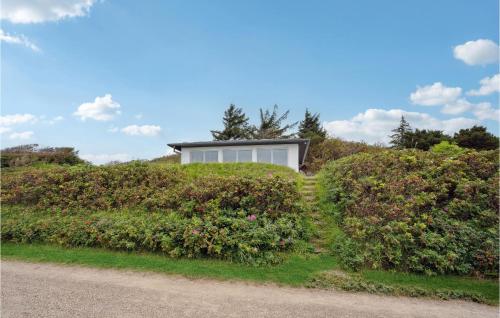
{"points": [[303, 144]]}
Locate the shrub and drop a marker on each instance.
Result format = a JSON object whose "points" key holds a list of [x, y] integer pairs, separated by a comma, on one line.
{"points": [[227, 234], [417, 211], [169, 209], [448, 149], [322, 152], [29, 155], [140, 185]]}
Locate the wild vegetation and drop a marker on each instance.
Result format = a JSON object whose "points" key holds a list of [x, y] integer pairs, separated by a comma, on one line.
{"points": [[323, 151], [416, 211], [476, 137], [171, 209], [32, 154]]}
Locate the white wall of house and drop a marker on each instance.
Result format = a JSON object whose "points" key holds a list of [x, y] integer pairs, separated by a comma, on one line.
{"points": [[292, 151]]}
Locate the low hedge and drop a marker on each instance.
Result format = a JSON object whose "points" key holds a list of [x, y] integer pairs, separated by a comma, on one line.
{"points": [[416, 211], [169, 209], [227, 234], [146, 186]]}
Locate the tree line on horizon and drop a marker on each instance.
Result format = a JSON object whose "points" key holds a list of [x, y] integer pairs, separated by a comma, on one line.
{"points": [[476, 137], [323, 148], [271, 125]]}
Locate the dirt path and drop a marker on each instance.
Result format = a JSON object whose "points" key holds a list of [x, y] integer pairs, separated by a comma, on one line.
{"points": [[45, 290]]}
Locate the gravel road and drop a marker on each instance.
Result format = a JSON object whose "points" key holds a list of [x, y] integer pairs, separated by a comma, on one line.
{"points": [[46, 290]]}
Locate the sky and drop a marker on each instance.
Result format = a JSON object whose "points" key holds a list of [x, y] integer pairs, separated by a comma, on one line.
{"points": [[118, 80]]}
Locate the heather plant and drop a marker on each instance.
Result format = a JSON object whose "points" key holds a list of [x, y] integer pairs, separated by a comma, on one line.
{"points": [[416, 211]]}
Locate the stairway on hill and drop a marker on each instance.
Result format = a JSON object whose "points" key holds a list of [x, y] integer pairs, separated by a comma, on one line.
{"points": [[309, 194], [309, 188]]}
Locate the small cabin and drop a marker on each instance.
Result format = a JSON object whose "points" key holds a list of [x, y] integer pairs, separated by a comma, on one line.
{"points": [[283, 152]]}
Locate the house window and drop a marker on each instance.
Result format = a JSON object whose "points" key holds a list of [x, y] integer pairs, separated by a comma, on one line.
{"points": [[280, 157], [228, 155], [244, 155], [211, 156], [264, 155], [196, 156]]}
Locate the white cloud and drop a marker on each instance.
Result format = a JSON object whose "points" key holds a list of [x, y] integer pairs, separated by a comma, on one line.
{"points": [[105, 158], [435, 94], [54, 120], [102, 109], [37, 11], [4, 130], [17, 39], [484, 111], [479, 52], [21, 135], [489, 85], [457, 107], [375, 125], [144, 130], [9, 120]]}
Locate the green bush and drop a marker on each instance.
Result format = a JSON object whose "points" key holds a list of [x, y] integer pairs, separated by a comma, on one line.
{"points": [[447, 148], [416, 211], [31, 155], [140, 185], [170, 209], [227, 234], [323, 151]]}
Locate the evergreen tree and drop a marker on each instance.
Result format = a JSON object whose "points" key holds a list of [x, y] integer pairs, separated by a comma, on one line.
{"points": [[399, 138], [271, 125], [311, 127], [424, 139], [235, 125], [477, 138]]}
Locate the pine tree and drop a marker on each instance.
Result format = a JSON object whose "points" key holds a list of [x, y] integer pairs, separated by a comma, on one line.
{"points": [[236, 125], [270, 125], [399, 138], [477, 138], [311, 127]]}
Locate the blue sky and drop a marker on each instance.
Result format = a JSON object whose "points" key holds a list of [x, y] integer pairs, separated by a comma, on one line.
{"points": [[121, 79]]}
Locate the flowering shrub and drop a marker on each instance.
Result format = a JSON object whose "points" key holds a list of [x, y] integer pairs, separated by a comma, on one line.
{"points": [[416, 211], [227, 234], [156, 208]]}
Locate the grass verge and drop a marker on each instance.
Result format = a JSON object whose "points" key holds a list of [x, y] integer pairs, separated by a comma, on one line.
{"points": [[296, 271]]}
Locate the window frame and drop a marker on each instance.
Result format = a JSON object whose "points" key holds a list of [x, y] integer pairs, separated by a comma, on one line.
{"points": [[238, 159], [283, 150], [191, 152], [224, 155], [205, 153]]}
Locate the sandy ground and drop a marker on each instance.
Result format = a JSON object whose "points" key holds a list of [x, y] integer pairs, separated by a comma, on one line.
{"points": [[46, 290]]}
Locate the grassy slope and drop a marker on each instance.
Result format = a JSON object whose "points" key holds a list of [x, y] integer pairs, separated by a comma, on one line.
{"points": [[295, 271]]}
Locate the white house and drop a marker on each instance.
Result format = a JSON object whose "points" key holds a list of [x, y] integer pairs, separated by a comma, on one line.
{"points": [[285, 152]]}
